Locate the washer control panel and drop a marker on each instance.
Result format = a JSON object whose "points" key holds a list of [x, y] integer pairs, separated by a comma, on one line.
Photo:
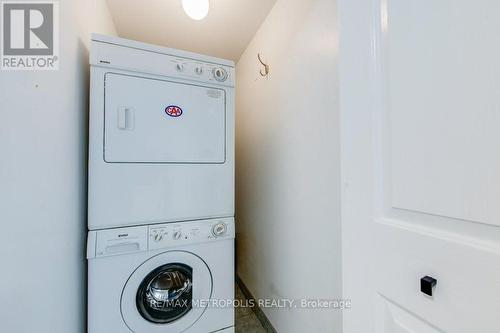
{"points": [[103, 243], [184, 233]]}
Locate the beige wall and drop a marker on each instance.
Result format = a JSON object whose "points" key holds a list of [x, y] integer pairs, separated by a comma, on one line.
{"points": [[288, 172], [43, 145]]}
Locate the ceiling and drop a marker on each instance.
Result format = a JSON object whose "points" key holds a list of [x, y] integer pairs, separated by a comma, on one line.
{"points": [[224, 33]]}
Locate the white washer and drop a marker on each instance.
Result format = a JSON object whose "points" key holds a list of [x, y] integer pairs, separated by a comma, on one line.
{"points": [[161, 135], [175, 277]]}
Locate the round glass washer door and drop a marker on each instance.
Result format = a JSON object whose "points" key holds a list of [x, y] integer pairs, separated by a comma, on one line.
{"points": [[166, 294], [160, 293]]}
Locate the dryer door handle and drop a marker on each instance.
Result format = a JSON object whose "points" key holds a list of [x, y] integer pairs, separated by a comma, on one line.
{"points": [[126, 118]]}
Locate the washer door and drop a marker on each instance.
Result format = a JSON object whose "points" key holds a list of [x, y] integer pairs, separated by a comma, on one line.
{"points": [[162, 293]]}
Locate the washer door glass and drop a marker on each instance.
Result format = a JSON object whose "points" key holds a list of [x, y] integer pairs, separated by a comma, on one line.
{"points": [[166, 294]]}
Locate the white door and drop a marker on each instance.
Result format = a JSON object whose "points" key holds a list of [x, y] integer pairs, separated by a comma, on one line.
{"points": [[420, 101], [156, 121]]}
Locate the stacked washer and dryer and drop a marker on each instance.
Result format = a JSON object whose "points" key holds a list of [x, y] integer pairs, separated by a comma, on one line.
{"points": [[161, 190]]}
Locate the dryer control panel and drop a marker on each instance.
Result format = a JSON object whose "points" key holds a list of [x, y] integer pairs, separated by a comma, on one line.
{"points": [[118, 241], [119, 53]]}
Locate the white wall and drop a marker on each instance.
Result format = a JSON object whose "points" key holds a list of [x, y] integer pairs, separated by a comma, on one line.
{"points": [[288, 173], [43, 133]]}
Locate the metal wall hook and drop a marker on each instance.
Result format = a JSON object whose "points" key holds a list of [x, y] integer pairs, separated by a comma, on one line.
{"points": [[264, 72]]}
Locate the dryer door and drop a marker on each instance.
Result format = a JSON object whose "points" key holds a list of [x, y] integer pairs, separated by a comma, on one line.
{"points": [[167, 292], [148, 120]]}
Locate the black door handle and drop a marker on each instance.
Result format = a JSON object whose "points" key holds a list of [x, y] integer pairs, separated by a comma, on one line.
{"points": [[427, 283]]}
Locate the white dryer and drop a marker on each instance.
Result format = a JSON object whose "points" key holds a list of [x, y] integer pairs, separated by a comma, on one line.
{"points": [[175, 277], [161, 135]]}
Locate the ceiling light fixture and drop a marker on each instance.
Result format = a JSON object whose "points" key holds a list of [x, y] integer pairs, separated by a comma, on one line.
{"points": [[196, 9]]}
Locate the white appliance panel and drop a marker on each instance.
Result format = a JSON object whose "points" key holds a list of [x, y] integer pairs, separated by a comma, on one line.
{"points": [[145, 166], [114, 278], [140, 127]]}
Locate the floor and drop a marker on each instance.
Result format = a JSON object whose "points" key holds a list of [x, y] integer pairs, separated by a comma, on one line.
{"points": [[246, 320]]}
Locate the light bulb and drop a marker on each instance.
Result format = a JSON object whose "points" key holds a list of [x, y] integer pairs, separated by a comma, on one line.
{"points": [[196, 9]]}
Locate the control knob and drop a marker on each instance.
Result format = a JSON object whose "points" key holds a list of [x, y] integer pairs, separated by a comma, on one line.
{"points": [[157, 235], [179, 67], [219, 230], [220, 74], [177, 235]]}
